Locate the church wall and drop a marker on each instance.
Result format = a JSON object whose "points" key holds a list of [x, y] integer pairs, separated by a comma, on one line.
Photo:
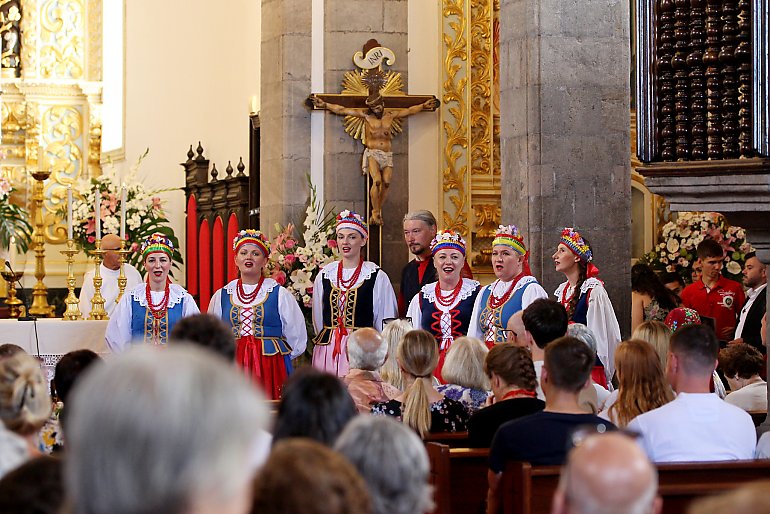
{"points": [[191, 69]]}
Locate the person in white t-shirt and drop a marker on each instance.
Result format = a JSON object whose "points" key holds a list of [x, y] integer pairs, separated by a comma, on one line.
{"points": [[741, 364], [697, 425], [110, 271]]}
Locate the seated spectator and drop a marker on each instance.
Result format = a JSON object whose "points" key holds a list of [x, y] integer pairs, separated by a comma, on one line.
{"points": [[642, 383], [24, 400], [393, 332], [673, 282], [392, 461], [421, 406], [741, 364], [169, 431], [696, 425], [69, 368], [208, 331], [303, 476], [36, 487], [513, 381], [657, 334], [651, 300], [367, 352], [544, 320], [543, 438], [315, 405], [751, 498], [515, 329], [13, 450], [9, 350], [607, 473], [463, 373], [590, 398]]}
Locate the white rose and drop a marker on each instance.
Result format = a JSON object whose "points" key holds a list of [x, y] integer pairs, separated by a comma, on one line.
{"points": [[672, 246], [733, 268]]}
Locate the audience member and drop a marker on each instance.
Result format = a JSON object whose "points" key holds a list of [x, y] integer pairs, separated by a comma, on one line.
{"points": [[513, 381], [302, 476], [515, 330], [419, 231], [9, 350], [544, 320], [751, 498], [208, 331], [544, 438], [393, 333], [13, 450], [367, 352], [592, 398], [713, 295], [392, 461], [315, 405], [24, 400], [464, 374], [650, 299], [175, 431], [607, 473], [750, 317], [642, 383], [35, 487], [673, 282], [657, 334], [741, 365], [696, 425], [420, 406]]}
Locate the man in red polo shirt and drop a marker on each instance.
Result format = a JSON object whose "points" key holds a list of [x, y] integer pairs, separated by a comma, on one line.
{"points": [[715, 296]]}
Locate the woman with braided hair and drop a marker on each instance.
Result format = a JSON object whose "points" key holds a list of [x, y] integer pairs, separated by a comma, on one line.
{"points": [[267, 322], [586, 300]]}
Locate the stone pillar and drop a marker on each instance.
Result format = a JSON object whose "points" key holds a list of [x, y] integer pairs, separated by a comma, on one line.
{"points": [[565, 144], [348, 25], [284, 119]]}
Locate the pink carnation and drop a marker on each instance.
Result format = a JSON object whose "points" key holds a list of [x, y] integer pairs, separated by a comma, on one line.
{"points": [[290, 243], [91, 239], [332, 243], [280, 277], [290, 259]]}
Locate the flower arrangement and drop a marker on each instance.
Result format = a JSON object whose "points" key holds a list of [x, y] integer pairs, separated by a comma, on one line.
{"points": [[144, 212], [295, 265], [676, 253], [14, 221]]}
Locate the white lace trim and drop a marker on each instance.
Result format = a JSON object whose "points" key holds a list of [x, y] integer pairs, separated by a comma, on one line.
{"points": [[267, 286], [466, 291], [527, 279], [176, 294], [588, 284], [367, 270]]}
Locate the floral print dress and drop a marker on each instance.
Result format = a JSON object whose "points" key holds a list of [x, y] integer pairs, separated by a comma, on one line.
{"points": [[447, 415]]}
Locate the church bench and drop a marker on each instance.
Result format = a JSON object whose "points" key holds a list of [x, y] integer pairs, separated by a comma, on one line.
{"points": [[459, 478], [528, 489], [758, 416], [453, 439]]}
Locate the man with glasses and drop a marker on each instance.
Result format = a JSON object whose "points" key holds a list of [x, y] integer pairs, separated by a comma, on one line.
{"points": [[110, 271]]}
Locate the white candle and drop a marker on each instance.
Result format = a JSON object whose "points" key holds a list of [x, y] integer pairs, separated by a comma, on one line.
{"points": [[98, 215], [123, 212], [12, 250], [69, 212]]}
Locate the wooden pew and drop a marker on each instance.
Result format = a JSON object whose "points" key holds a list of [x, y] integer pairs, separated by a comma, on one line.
{"points": [[453, 439], [459, 478], [758, 416], [528, 489]]}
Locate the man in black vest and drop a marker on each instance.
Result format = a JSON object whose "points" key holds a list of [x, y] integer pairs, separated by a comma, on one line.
{"points": [[419, 231], [750, 318]]}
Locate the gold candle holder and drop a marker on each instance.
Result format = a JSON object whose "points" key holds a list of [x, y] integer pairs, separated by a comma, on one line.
{"points": [[73, 309], [97, 302], [15, 306], [122, 280], [40, 305]]}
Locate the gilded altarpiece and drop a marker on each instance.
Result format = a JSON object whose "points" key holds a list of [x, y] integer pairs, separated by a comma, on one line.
{"points": [[470, 124], [51, 112]]}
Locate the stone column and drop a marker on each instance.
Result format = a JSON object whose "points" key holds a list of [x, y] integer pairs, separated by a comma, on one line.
{"points": [[565, 150], [284, 120]]}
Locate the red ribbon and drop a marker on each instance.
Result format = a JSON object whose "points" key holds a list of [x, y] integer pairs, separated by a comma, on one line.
{"points": [[339, 332], [591, 270]]}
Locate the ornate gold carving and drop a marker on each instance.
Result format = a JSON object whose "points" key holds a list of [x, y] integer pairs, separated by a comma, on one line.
{"points": [[10, 36], [487, 219], [481, 87], [30, 35], [62, 47], [94, 46]]}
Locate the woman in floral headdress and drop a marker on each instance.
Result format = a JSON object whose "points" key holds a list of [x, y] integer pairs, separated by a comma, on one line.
{"points": [[147, 313], [514, 289], [348, 294], [265, 318], [444, 308], [586, 300]]}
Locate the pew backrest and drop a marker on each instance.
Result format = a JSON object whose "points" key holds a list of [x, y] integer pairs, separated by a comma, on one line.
{"points": [[459, 478]]}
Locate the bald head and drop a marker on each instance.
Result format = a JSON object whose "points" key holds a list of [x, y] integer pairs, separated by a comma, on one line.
{"points": [[110, 243], [366, 349], [516, 325], [607, 473]]}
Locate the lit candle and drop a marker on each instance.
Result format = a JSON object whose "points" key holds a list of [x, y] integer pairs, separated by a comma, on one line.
{"points": [[12, 250], [123, 212], [98, 214], [69, 212]]}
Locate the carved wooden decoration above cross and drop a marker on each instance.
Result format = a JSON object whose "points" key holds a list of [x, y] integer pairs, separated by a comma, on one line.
{"points": [[373, 103]]}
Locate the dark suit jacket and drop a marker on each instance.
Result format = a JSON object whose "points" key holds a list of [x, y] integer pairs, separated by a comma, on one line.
{"points": [[753, 322]]}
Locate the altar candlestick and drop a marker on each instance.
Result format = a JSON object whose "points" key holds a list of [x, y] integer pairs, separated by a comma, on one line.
{"points": [[69, 212], [123, 213], [12, 251], [98, 215]]}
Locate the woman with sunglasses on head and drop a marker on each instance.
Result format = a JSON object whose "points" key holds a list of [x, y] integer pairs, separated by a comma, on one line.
{"points": [[444, 308], [147, 313], [586, 300], [348, 294], [513, 291], [267, 322]]}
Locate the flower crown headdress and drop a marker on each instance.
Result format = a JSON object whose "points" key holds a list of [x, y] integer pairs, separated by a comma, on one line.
{"points": [[572, 239], [447, 239], [157, 242], [251, 236], [350, 220], [509, 235]]}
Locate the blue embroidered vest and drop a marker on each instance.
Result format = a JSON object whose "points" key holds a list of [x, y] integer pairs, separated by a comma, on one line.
{"points": [[141, 322], [266, 323], [499, 317]]}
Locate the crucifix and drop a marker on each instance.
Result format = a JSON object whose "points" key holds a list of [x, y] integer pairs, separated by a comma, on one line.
{"points": [[373, 103]]}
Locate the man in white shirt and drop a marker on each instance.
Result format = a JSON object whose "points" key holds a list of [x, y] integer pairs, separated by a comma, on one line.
{"points": [[697, 425], [110, 271], [749, 320]]}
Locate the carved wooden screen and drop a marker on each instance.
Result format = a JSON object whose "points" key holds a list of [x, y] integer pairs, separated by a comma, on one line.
{"points": [[217, 208]]}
